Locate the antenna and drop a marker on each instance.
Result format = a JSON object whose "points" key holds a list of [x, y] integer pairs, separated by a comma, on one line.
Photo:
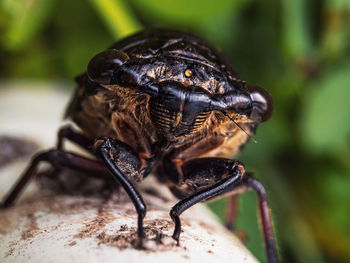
{"points": [[228, 116]]}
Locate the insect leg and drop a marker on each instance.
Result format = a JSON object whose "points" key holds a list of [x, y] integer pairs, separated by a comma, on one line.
{"points": [[123, 163], [230, 173], [232, 209], [265, 217], [67, 132], [56, 158], [231, 212], [224, 176]]}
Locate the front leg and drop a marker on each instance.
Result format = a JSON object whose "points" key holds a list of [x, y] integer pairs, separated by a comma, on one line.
{"points": [[213, 177], [124, 165], [208, 178]]}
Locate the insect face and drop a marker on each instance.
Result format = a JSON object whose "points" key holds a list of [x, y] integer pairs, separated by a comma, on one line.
{"points": [[180, 98]]}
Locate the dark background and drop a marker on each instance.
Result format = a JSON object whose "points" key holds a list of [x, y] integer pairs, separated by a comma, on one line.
{"points": [[298, 50]]}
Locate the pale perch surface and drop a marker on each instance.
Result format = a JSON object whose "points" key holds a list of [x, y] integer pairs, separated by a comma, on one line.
{"points": [[43, 227]]}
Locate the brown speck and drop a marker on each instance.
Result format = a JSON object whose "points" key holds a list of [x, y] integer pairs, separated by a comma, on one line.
{"points": [[10, 252], [73, 243], [101, 236], [123, 228], [208, 227], [186, 223], [32, 228], [210, 252]]}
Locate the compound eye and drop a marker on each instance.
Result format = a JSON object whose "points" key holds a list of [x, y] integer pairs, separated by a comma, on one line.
{"points": [[262, 102], [101, 67]]}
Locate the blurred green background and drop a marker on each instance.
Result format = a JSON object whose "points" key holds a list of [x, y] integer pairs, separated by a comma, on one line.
{"points": [[298, 50]]}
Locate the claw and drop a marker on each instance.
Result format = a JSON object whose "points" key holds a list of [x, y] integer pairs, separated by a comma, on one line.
{"points": [[176, 239]]}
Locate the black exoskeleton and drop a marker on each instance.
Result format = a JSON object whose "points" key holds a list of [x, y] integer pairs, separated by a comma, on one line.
{"points": [[165, 103]]}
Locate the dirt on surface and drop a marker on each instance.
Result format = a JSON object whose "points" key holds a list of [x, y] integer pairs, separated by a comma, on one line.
{"points": [[156, 231], [32, 228], [126, 236]]}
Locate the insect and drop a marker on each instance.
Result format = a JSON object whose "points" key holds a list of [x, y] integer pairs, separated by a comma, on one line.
{"points": [[167, 103]]}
